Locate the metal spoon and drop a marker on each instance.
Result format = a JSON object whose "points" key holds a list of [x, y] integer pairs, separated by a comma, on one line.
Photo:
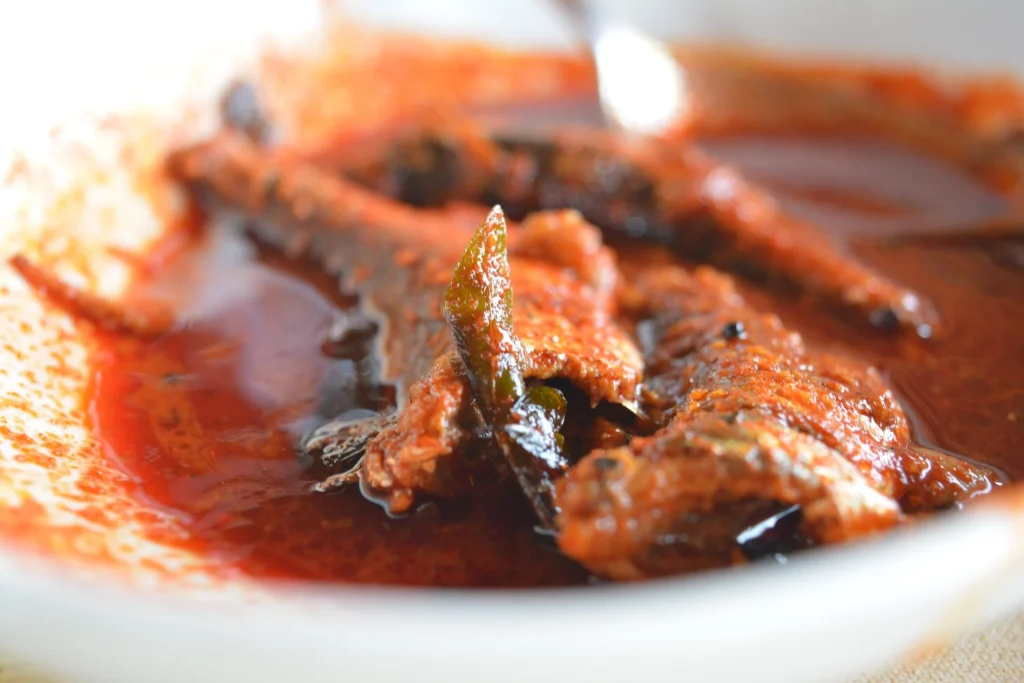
{"points": [[642, 87]]}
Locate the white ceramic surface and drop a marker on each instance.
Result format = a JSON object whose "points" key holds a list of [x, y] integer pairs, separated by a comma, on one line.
{"points": [[829, 614]]}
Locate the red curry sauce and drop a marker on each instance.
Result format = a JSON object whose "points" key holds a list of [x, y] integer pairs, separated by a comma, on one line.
{"points": [[206, 417]]}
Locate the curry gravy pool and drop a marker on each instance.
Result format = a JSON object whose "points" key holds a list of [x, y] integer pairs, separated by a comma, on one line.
{"points": [[207, 417]]}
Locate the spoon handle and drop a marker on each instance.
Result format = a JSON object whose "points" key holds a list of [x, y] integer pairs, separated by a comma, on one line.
{"points": [[581, 15], [642, 88]]}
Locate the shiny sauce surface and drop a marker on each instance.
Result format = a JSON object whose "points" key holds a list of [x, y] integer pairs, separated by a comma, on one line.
{"points": [[207, 417]]}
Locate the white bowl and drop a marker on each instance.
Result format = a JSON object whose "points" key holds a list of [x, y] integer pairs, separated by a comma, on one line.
{"points": [[830, 613]]}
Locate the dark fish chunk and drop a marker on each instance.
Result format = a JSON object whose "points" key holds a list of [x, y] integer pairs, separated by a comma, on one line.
{"points": [[644, 190], [396, 258], [744, 421], [567, 332], [679, 501], [399, 260]]}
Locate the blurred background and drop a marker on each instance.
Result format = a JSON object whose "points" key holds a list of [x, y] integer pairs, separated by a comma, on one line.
{"points": [[959, 33], [59, 52]]}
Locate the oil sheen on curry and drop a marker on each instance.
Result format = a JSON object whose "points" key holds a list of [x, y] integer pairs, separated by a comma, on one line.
{"points": [[500, 346]]}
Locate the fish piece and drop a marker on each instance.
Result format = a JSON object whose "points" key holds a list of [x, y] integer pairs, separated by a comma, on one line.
{"points": [[564, 279], [426, 448], [746, 417], [564, 329], [712, 353], [398, 259], [339, 446], [565, 239], [634, 189], [678, 501], [362, 237], [135, 318], [420, 452]]}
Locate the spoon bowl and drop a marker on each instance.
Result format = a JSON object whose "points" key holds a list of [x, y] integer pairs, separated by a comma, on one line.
{"points": [[642, 87]]}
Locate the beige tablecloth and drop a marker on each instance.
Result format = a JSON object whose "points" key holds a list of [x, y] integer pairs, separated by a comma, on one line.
{"points": [[994, 656]]}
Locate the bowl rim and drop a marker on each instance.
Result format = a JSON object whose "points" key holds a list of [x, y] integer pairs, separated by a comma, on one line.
{"points": [[975, 574]]}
